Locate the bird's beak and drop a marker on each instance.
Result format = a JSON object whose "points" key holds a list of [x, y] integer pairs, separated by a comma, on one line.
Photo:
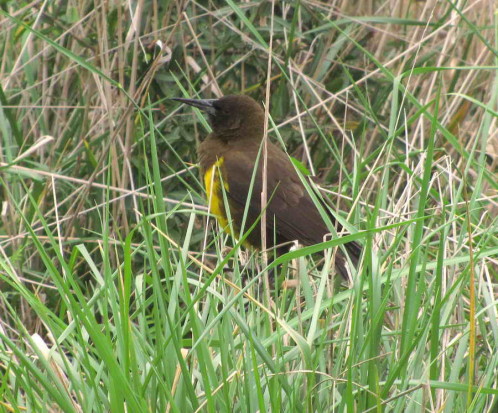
{"points": [[204, 104]]}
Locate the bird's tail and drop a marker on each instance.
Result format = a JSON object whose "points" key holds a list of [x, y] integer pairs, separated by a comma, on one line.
{"points": [[353, 250]]}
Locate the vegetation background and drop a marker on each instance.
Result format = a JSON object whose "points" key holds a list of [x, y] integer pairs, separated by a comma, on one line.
{"points": [[117, 291]]}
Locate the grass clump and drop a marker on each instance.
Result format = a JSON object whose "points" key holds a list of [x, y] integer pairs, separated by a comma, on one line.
{"points": [[119, 294]]}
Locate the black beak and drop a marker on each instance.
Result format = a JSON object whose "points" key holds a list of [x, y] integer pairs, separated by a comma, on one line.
{"points": [[204, 104]]}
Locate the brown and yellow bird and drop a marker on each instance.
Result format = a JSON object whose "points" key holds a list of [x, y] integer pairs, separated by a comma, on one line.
{"points": [[227, 160]]}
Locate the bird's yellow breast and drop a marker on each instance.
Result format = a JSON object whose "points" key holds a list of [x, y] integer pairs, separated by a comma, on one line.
{"points": [[212, 181]]}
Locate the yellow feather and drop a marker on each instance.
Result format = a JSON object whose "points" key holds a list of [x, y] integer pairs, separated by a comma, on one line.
{"points": [[212, 182]]}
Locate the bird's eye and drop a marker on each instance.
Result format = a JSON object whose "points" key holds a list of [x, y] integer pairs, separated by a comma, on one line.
{"points": [[221, 109]]}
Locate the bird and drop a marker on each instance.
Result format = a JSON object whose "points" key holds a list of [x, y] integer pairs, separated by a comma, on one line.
{"points": [[228, 157]]}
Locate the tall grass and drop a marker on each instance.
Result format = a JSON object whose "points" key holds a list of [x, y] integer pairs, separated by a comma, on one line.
{"points": [[118, 291]]}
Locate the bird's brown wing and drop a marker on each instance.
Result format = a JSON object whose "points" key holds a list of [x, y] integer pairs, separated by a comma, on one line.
{"points": [[290, 207], [291, 213]]}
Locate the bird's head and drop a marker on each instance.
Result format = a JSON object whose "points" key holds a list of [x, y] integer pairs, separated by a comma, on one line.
{"points": [[232, 117]]}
